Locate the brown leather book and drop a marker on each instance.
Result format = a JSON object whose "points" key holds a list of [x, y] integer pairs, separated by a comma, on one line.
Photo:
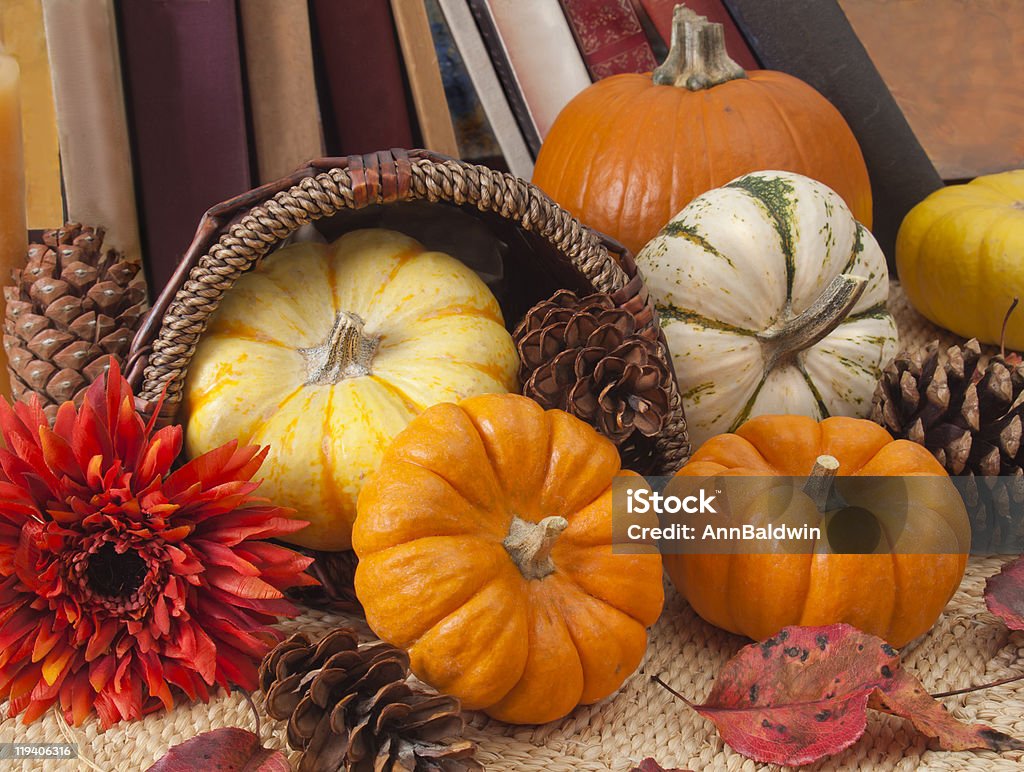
{"points": [[187, 115], [424, 73], [282, 87], [610, 36], [365, 105]]}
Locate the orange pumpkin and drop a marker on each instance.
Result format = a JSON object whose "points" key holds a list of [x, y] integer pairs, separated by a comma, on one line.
{"points": [[485, 550], [895, 593], [630, 151]]}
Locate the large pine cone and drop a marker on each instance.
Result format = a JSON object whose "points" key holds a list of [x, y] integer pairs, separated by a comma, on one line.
{"points": [[72, 308], [970, 418], [350, 708], [585, 356]]}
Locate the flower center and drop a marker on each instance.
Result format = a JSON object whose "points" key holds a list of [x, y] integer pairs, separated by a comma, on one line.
{"points": [[113, 574]]}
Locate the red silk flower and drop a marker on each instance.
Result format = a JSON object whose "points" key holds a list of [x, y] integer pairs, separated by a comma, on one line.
{"points": [[121, 581]]}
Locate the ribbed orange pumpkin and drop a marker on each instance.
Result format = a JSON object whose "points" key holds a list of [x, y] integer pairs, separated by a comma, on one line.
{"points": [[629, 152], [896, 594], [485, 550]]}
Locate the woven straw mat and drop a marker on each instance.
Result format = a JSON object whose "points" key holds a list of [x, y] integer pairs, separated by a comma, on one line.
{"points": [[967, 646]]}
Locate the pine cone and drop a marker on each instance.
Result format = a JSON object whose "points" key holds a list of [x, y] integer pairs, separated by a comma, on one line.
{"points": [[69, 310], [585, 356], [970, 419], [350, 708], [335, 571]]}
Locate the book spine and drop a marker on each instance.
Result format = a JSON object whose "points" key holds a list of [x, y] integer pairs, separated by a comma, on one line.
{"points": [[812, 40], [536, 58], [91, 119], [506, 75], [362, 69], [660, 14], [21, 22], [424, 74], [282, 85], [492, 97], [187, 113], [609, 36]]}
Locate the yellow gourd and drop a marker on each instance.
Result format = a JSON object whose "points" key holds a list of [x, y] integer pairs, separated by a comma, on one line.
{"points": [[326, 352], [960, 257]]}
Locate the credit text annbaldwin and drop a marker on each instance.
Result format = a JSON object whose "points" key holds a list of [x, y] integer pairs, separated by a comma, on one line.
{"points": [[642, 501]]}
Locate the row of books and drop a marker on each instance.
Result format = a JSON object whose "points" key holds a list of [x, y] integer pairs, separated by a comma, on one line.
{"points": [[141, 114]]}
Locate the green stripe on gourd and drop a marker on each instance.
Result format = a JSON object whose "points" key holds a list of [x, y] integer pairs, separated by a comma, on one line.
{"points": [[778, 197], [689, 232]]}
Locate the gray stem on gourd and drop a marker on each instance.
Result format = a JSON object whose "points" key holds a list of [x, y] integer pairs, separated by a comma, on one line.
{"points": [[345, 353], [809, 327], [697, 58], [529, 544]]}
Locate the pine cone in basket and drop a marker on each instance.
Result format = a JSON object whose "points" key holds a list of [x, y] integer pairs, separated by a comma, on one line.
{"points": [[584, 356], [335, 572], [350, 708], [70, 309], [970, 418]]}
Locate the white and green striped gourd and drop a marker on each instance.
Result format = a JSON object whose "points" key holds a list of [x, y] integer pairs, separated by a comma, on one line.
{"points": [[772, 298]]}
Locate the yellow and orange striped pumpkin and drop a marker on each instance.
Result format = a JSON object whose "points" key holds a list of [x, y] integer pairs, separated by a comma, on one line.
{"points": [[326, 352]]}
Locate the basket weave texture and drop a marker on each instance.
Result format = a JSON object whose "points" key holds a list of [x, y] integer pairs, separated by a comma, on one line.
{"points": [[967, 646], [235, 235]]}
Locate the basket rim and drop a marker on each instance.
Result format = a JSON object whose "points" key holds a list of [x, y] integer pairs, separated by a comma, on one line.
{"points": [[237, 233]]}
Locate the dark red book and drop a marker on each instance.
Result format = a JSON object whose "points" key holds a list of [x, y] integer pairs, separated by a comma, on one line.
{"points": [[186, 112], [610, 36], [660, 14], [365, 105]]}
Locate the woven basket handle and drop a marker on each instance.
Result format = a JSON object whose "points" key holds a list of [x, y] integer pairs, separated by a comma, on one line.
{"points": [[236, 234]]}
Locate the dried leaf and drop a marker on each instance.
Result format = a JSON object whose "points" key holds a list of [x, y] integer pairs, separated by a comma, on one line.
{"points": [[905, 696], [1004, 594], [803, 694], [799, 695], [650, 765], [225, 750]]}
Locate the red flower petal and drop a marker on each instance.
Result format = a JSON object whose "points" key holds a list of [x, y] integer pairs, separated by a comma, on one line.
{"points": [[242, 586]]}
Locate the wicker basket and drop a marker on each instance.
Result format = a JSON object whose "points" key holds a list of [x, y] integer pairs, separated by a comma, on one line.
{"points": [[545, 248]]}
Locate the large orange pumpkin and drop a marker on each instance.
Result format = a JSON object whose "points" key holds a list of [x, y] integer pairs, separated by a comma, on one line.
{"points": [[895, 593], [630, 151], [485, 550]]}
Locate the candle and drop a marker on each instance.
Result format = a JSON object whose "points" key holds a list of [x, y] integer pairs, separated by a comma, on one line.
{"points": [[23, 37], [13, 231]]}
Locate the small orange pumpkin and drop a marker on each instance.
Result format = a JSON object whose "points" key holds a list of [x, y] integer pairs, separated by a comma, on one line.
{"points": [[485, 550], [894, 593], [627, 153]]}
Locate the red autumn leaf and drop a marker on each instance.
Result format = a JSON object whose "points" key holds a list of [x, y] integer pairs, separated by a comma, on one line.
{"points": [[1004, 594], [650, 765], [225, 750], [803, 694], [799, 695], [905, 696]]}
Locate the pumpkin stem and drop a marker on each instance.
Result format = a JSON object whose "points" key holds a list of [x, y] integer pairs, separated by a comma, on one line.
{"points": [[697, 58], [819, 487], [345, 353], [806, 329], [530, 544]]}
